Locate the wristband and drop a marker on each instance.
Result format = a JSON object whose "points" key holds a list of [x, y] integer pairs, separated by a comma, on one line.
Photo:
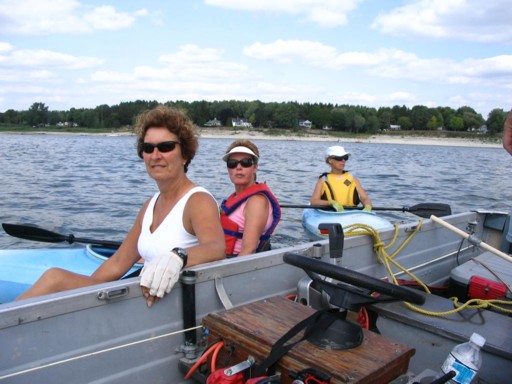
{"points": [[182, 254]]}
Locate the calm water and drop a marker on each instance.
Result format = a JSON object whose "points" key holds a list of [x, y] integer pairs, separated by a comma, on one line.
{"points": [[93, 186]]}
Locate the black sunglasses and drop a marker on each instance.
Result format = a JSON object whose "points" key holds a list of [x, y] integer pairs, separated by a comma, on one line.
{"points": [[340, 158], [245, 162], [164, 146]]}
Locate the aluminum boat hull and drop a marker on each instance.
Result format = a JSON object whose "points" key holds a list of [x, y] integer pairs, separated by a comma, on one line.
{"points": [[106, 334]]}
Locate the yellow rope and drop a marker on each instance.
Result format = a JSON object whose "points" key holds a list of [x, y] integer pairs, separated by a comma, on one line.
{"points": [[383, 257]]}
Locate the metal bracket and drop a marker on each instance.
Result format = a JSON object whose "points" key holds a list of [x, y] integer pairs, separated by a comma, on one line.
{"points": [[221, 292], [239, 367], [113, 293]]}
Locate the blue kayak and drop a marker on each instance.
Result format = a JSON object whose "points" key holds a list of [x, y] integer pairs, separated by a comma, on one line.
{"points": [[311, 218], [20, 268]]}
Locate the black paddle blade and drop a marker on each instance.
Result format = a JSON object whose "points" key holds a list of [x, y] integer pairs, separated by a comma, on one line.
{"points": [[428, 209], [30, 232]]}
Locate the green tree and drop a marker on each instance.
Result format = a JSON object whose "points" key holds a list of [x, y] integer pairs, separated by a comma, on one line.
{"points": [[404, 122], [398, 111], [319, 115], [385, 117], [456, 123], [495, 121], [359, 123], [419, 117], [432, 123], [286, 115], [37, 114], [372, 124], [447, 113], [12, 117], [472, 119]]}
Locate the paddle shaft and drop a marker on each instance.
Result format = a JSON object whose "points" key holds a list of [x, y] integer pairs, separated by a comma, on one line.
{"points": [[328, 207], [30, 232], [422, 209], [466, 235]]}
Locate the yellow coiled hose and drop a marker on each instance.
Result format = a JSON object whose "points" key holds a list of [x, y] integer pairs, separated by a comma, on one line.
{"points": [[383, 257]]}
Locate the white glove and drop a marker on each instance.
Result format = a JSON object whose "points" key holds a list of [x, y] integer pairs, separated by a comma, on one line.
{"points": [[161, 273]]}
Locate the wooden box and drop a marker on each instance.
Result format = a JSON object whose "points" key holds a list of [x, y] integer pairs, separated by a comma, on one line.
{"points": [[251, 330]]}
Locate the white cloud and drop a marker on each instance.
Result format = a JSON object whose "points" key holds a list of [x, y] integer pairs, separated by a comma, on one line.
{"points": [[326, 13], [401, 97], [385, 63], [470, 20], [106, 17], [5, 47], [43, 59], [111, 77], [34, 17], [287, 51], [206, 64]]}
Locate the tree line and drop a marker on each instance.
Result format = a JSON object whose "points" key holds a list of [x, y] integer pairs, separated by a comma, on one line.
{"points": [[343, 118]]}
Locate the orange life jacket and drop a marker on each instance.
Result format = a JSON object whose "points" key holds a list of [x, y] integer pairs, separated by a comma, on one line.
{"points": [[231, 229]]}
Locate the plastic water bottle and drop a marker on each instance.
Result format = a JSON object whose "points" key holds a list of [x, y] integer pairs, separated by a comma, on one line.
{"points": [[465, 359]]}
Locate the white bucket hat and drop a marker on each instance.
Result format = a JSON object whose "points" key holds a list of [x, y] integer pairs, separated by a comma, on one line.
{"points": [[240, 149], [336, 150]]}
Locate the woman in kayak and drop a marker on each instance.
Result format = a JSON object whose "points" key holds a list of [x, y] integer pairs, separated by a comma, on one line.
{"points": [[250, 214], [179, 226], [339, 188]]}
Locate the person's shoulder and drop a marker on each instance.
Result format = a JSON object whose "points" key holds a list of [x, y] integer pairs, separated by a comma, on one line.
{"points": [[258, 198], [200, 194]]}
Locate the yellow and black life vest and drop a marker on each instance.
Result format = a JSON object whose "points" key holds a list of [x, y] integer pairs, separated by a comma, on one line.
{"points": [[340, 188]]}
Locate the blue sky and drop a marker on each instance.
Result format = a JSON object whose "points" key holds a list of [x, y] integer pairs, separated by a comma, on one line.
{"points": [[81, 54]]}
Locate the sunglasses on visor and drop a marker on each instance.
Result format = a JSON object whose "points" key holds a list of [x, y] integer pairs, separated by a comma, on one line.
{"points": [[164, 146], [245, 163]]}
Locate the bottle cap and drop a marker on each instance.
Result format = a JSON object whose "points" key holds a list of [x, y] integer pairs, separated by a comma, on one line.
{"points": [[477, 339]]}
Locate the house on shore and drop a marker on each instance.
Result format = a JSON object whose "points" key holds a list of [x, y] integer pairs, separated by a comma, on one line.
{"points": [[240, 123], [213, 123], [305, 124]]}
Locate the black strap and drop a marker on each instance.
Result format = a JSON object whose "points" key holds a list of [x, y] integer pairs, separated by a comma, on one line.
{"points": [[133, 274], [318, 320]]}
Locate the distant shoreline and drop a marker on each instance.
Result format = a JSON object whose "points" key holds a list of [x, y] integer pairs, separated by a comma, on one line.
{"points": [[306, 136], [373, 139]]}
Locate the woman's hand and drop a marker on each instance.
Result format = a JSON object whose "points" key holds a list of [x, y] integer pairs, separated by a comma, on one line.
{"points": [[159, 276], [337, 206]]}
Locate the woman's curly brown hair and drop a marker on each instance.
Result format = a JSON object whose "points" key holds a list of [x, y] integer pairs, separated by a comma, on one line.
{"points": [[176, 121]]}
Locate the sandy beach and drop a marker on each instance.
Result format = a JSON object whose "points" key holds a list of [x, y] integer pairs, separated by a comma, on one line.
{"points": [[219, 133], [374, 139]]}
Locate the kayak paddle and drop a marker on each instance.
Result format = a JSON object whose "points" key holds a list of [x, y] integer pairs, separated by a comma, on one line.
{"points": [[422, 209], [30, 232]]}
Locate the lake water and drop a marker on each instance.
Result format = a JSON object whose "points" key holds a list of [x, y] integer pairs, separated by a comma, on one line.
{"points": [[93, 186]]}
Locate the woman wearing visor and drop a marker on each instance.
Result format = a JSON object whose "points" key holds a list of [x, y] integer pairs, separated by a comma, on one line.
{"points": [[251, 213], [339, 188]]}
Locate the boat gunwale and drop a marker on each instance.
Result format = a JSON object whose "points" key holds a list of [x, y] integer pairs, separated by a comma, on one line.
{"points": [[29, 310]]}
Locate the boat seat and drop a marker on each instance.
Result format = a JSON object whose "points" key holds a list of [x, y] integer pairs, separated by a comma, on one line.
{"points": [[495, 327], [481, 266]]}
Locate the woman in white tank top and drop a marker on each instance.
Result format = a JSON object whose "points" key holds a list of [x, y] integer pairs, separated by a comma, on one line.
{"points": [[179, 226]]}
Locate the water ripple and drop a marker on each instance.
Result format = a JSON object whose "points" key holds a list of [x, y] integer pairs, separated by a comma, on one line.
{"points": [[93, 186]]}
